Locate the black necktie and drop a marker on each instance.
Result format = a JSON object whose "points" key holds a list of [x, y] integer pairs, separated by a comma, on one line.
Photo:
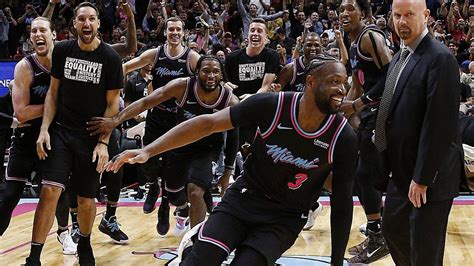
{"points": [[380, 141]]}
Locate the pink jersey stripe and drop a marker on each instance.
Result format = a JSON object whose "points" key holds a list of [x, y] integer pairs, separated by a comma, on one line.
{"points": [[276, 118], [334, 139], [213, 241], [297, 127]]}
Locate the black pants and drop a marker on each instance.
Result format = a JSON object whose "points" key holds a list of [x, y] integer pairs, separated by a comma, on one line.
{"points": [[415, 236]]}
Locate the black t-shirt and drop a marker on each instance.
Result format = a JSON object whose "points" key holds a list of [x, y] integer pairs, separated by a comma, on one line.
{"points": [[248, 72], [85, 78]]}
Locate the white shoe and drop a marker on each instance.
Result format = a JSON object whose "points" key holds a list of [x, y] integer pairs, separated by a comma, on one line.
{"points": [[312, 217], [69, 247], [187, 240], [182, 225]]}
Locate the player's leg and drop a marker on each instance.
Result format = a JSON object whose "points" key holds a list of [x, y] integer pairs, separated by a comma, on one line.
{"points": [[175, 174], [108, 224], [56, 169], [246, 255], [9, 198], [62, 215], [163, 224], [149, 171]]}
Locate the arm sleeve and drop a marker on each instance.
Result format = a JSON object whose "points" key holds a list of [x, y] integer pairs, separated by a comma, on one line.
{"points": [[440, 119], [272, 17], [257, 110], [345, 158], [271, 66], [231, 147], [57, 64], [115, 78], [241, 8]]}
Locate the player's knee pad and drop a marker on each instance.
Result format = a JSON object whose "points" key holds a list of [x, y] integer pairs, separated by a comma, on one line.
{"points": [[177, 198]]}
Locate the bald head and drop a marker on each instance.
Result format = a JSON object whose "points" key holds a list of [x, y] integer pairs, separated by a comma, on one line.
{"points": [[409, 19]]}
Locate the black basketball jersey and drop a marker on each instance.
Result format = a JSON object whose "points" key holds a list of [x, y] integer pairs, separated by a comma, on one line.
{"points": [[165, 69], [298, 81], [40, 85], [363, 65], [191, 106], [288, 164]]}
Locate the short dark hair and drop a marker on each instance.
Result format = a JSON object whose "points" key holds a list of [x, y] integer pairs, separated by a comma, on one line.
{"points": [[86, 4], [318, 63], [212, 58], [259, 20], [174, 19]]}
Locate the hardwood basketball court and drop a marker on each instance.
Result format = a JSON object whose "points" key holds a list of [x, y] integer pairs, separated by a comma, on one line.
{"points": [[144, 240]]}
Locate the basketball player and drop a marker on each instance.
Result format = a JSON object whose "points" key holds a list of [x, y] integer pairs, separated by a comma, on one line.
{"points": [[293, 74], [32, 77], [293, 78], [170, 61], [370, 58], [262, 213], [189, 169], [85, 81]]}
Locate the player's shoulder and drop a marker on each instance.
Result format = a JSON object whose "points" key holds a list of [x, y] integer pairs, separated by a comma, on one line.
{"points": [[235, 54], [346, 132]]}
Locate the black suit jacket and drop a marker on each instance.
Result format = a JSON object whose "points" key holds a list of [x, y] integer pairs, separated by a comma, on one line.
{"points": [[423, 143]]}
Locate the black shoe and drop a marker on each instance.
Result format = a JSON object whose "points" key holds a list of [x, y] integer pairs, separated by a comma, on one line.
{"points": [[376, 249], [84, 252], [30, 262], [140, 194], [151, 198], [75, 233], [163, 225], [112, 229]]}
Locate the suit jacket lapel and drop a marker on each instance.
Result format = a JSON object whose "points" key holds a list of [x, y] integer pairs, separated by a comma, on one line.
{"points": [[406, 72], [402, 80]]}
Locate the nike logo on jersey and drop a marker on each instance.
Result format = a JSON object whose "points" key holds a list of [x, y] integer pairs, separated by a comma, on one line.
{"points": [[321, 144], [189, 102], [181, 61], [304, 216], [370, 254], [373, 109], [279, 126], [39, 73], [138, 84], [161, 58]]}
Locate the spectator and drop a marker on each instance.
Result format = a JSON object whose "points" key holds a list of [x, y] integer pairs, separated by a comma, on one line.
{"points": [[4, 26], [248, 16], [280, 39]]}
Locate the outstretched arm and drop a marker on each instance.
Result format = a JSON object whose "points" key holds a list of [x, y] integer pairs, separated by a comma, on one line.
{"points": [[48, 11], [181, 135], [105, 125]]}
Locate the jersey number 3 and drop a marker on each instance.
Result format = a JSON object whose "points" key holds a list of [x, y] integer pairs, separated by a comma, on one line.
{"points": [[299, 179]]}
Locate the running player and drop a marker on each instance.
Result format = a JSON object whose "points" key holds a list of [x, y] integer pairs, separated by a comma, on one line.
{"points": [[31, 83], [262, 213], [85, 81], [189, 169], [370, 57], [170, 61]]}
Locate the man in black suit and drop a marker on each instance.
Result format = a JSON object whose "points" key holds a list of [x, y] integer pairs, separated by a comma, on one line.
{"points": [[416, 129]]}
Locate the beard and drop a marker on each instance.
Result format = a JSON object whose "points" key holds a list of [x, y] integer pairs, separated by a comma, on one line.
{"points": [[324, 105], [207, 87], [86, 40]]}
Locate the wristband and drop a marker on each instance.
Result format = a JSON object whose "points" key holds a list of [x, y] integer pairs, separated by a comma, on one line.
{"points": [[103, 143]]}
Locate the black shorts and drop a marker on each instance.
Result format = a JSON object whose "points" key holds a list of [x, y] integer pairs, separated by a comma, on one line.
{"points": [[247, 217], [23, 159], [189, 167], [70, 157], [151, 169]]}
